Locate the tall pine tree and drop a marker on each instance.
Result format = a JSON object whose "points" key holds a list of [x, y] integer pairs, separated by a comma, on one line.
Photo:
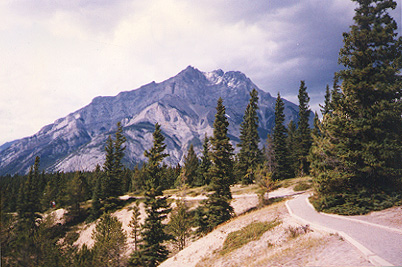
{"points": [[110, 241], [281, 153], [113, 167], [303, 133], [152, 251], [361, 148], [292, 146], [217, 208], [249, 155], [191, 163], [202, 174]]}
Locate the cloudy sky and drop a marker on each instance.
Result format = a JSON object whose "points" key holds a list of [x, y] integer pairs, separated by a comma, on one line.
{"points": [[57, 55]]}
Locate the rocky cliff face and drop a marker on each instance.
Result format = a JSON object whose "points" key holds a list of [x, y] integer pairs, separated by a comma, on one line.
{"points": [[184, 105]]}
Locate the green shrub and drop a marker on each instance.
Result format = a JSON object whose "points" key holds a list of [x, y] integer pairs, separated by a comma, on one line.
{"points": [[356, 203]]}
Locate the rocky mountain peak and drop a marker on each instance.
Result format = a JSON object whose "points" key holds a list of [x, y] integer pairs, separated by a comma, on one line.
{"points": [[184, 105]]}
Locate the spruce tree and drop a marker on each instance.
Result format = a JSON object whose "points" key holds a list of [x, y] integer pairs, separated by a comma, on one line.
{"points": [[152, 251], [325, 109], [155, 157], [283, 168], [24, 247], [28, 200], [202, 176], [316, 130], [249, 155], [113, 167], [110, 241], [362, 147], [191, 163], [303, 133], [292, 147], [77, 190], [135, 225], [217, 206], [180, 224], [96, 206], [269, 155]]}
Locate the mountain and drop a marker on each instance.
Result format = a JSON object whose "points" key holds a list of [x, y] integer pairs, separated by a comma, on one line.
{"points": [[184, 105]]}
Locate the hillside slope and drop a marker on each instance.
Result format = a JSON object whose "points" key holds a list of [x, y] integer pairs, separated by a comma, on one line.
{"points": [[276, 247]]}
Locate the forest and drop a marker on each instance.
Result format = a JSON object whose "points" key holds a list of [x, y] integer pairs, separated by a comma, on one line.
{"points": [[353, 153]]}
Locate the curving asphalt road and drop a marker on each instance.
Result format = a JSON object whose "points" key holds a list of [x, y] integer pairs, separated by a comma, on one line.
{"points": [[382, 244]]}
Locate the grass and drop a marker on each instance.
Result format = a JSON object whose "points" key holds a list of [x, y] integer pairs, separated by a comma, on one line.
{"points": [[239, 189], [251, 232], [303, 185], [191, 192], [294, 253], [294, 181]]}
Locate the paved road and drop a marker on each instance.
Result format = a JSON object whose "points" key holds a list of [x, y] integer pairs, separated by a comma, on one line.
{"points": [[384, 243]]}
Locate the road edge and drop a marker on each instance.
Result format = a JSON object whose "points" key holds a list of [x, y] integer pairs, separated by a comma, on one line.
{"points": [[356, 220], [368, 254]]}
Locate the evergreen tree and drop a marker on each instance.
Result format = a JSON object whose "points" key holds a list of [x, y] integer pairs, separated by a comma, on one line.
{"points": [[152, 251], [326, 108], [191, 163], [179, 225], [32, 244], [303, 132], [135, 225], [28, 199], [95, 211], [136, 256], [292, 146], [77, 191], [283, 168], [138, 178], [155, 157], [51, 192], [110, 241], [264, 182], [316, 130], [336, 95], [113, 167], [269, 155], [249, 155], [217, 207], [202, 176], [361, 148]]}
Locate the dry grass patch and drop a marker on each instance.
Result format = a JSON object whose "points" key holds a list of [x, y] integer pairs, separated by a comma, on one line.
{"points": [[295, 181], [251, 232], [239, 189], [191, 192]]}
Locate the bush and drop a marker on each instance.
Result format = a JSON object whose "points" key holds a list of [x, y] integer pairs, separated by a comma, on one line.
{"points": [[294, 232], [356, 203]]}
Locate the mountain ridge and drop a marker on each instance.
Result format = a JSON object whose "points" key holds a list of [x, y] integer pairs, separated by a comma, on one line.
{"points": [[184, 105]]}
